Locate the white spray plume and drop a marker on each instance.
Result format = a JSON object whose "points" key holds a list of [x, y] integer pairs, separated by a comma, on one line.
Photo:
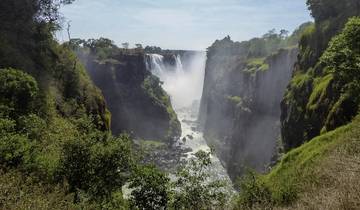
{"points": [[185, 83]]}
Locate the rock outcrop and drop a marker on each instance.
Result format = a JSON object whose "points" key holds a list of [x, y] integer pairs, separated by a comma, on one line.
{"points": [[134, 96], [240, 106]]}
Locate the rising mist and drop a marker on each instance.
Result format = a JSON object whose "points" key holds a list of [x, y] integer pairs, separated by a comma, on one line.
{"points": [[182, 81]]}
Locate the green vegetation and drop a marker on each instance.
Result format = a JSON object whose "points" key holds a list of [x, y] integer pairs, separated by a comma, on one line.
{"points": [[152, 87], [192, 188], [70, 152], [238, 103], [57, 152], [55, 144], [319, 92], [320, 174], [56, 149], [323, 93], [135, 96], [256, 50], [256, 64], [17, 92], [151, 188], [322, 96]]}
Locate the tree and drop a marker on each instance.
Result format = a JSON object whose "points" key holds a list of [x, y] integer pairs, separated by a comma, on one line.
{"points": [[284, 33], [111, 162], [18, 91], [194, 188], [150, 188], [125, 45], [99, 167], [26, 33], [75, 165], [68, 30], [343, 55], [48, 10], [14, 148], [139, 46], [152, 49]]}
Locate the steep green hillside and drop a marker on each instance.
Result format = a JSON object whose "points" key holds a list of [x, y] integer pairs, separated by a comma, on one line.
{"points": [[323, 92], [321, 174], [322, 96], [56, 151]]}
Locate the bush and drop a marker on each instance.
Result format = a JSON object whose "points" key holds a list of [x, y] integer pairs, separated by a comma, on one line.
{"points": [[110, 162], [18, 91], [194, 188], [75, 165], [253, 192], [150, 188], [14, 148], [97, 168], [32, 126]]}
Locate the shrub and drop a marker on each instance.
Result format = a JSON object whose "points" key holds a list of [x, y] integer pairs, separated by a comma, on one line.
{"points": [[14, 148], [111, 162], [18, 91], [194, 188], [75, 165], [150, 188], [253, 192]]}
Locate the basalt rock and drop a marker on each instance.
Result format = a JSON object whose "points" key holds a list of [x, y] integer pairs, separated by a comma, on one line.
{"points": [[138, 104], [240, 106]]}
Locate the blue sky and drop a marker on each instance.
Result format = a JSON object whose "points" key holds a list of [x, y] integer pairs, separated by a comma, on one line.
{"points": [[181, 24]]}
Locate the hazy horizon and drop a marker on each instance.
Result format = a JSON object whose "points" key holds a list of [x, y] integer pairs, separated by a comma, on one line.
{"points": [[182, 24]]}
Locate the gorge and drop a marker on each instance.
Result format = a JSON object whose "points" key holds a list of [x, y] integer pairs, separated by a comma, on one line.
{"points": [[227, 98], [270, 122], [184, 81]]}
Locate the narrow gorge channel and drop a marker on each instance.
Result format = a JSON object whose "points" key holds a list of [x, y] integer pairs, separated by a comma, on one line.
{"points": [[183, 81]]}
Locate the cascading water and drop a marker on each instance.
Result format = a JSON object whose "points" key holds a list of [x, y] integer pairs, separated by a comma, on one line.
{"points": [[156, 64], [184, 84]]}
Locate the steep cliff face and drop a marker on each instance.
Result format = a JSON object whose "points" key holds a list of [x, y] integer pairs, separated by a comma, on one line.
{"points": [[319, 98], [240, 107], [137, 102]]}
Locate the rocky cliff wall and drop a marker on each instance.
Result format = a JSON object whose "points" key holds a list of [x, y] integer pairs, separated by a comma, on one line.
{"points": [[240, 107], [137, 102]]}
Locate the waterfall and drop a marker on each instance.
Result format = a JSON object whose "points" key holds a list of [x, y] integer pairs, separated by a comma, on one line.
{"points": [[184, 83], [179, 65], [156, 64]]}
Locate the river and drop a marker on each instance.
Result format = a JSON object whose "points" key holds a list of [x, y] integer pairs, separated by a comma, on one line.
{"points": [[184, 84]]}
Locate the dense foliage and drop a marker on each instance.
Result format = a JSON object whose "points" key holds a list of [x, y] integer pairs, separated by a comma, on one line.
{"points": [[56, 150], [322, 96], [18, 93], [257, 47], [151, 188], [53, 121], [321, 174], [318, 98], [191, 188], [195, 189]]}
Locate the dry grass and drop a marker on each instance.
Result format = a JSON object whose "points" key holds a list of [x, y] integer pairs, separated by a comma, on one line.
{"points": [[336, 183], [321, 174], [20, 192]]}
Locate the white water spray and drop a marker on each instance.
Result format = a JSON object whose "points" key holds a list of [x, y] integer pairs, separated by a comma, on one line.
{"points": [[184, 83]]}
